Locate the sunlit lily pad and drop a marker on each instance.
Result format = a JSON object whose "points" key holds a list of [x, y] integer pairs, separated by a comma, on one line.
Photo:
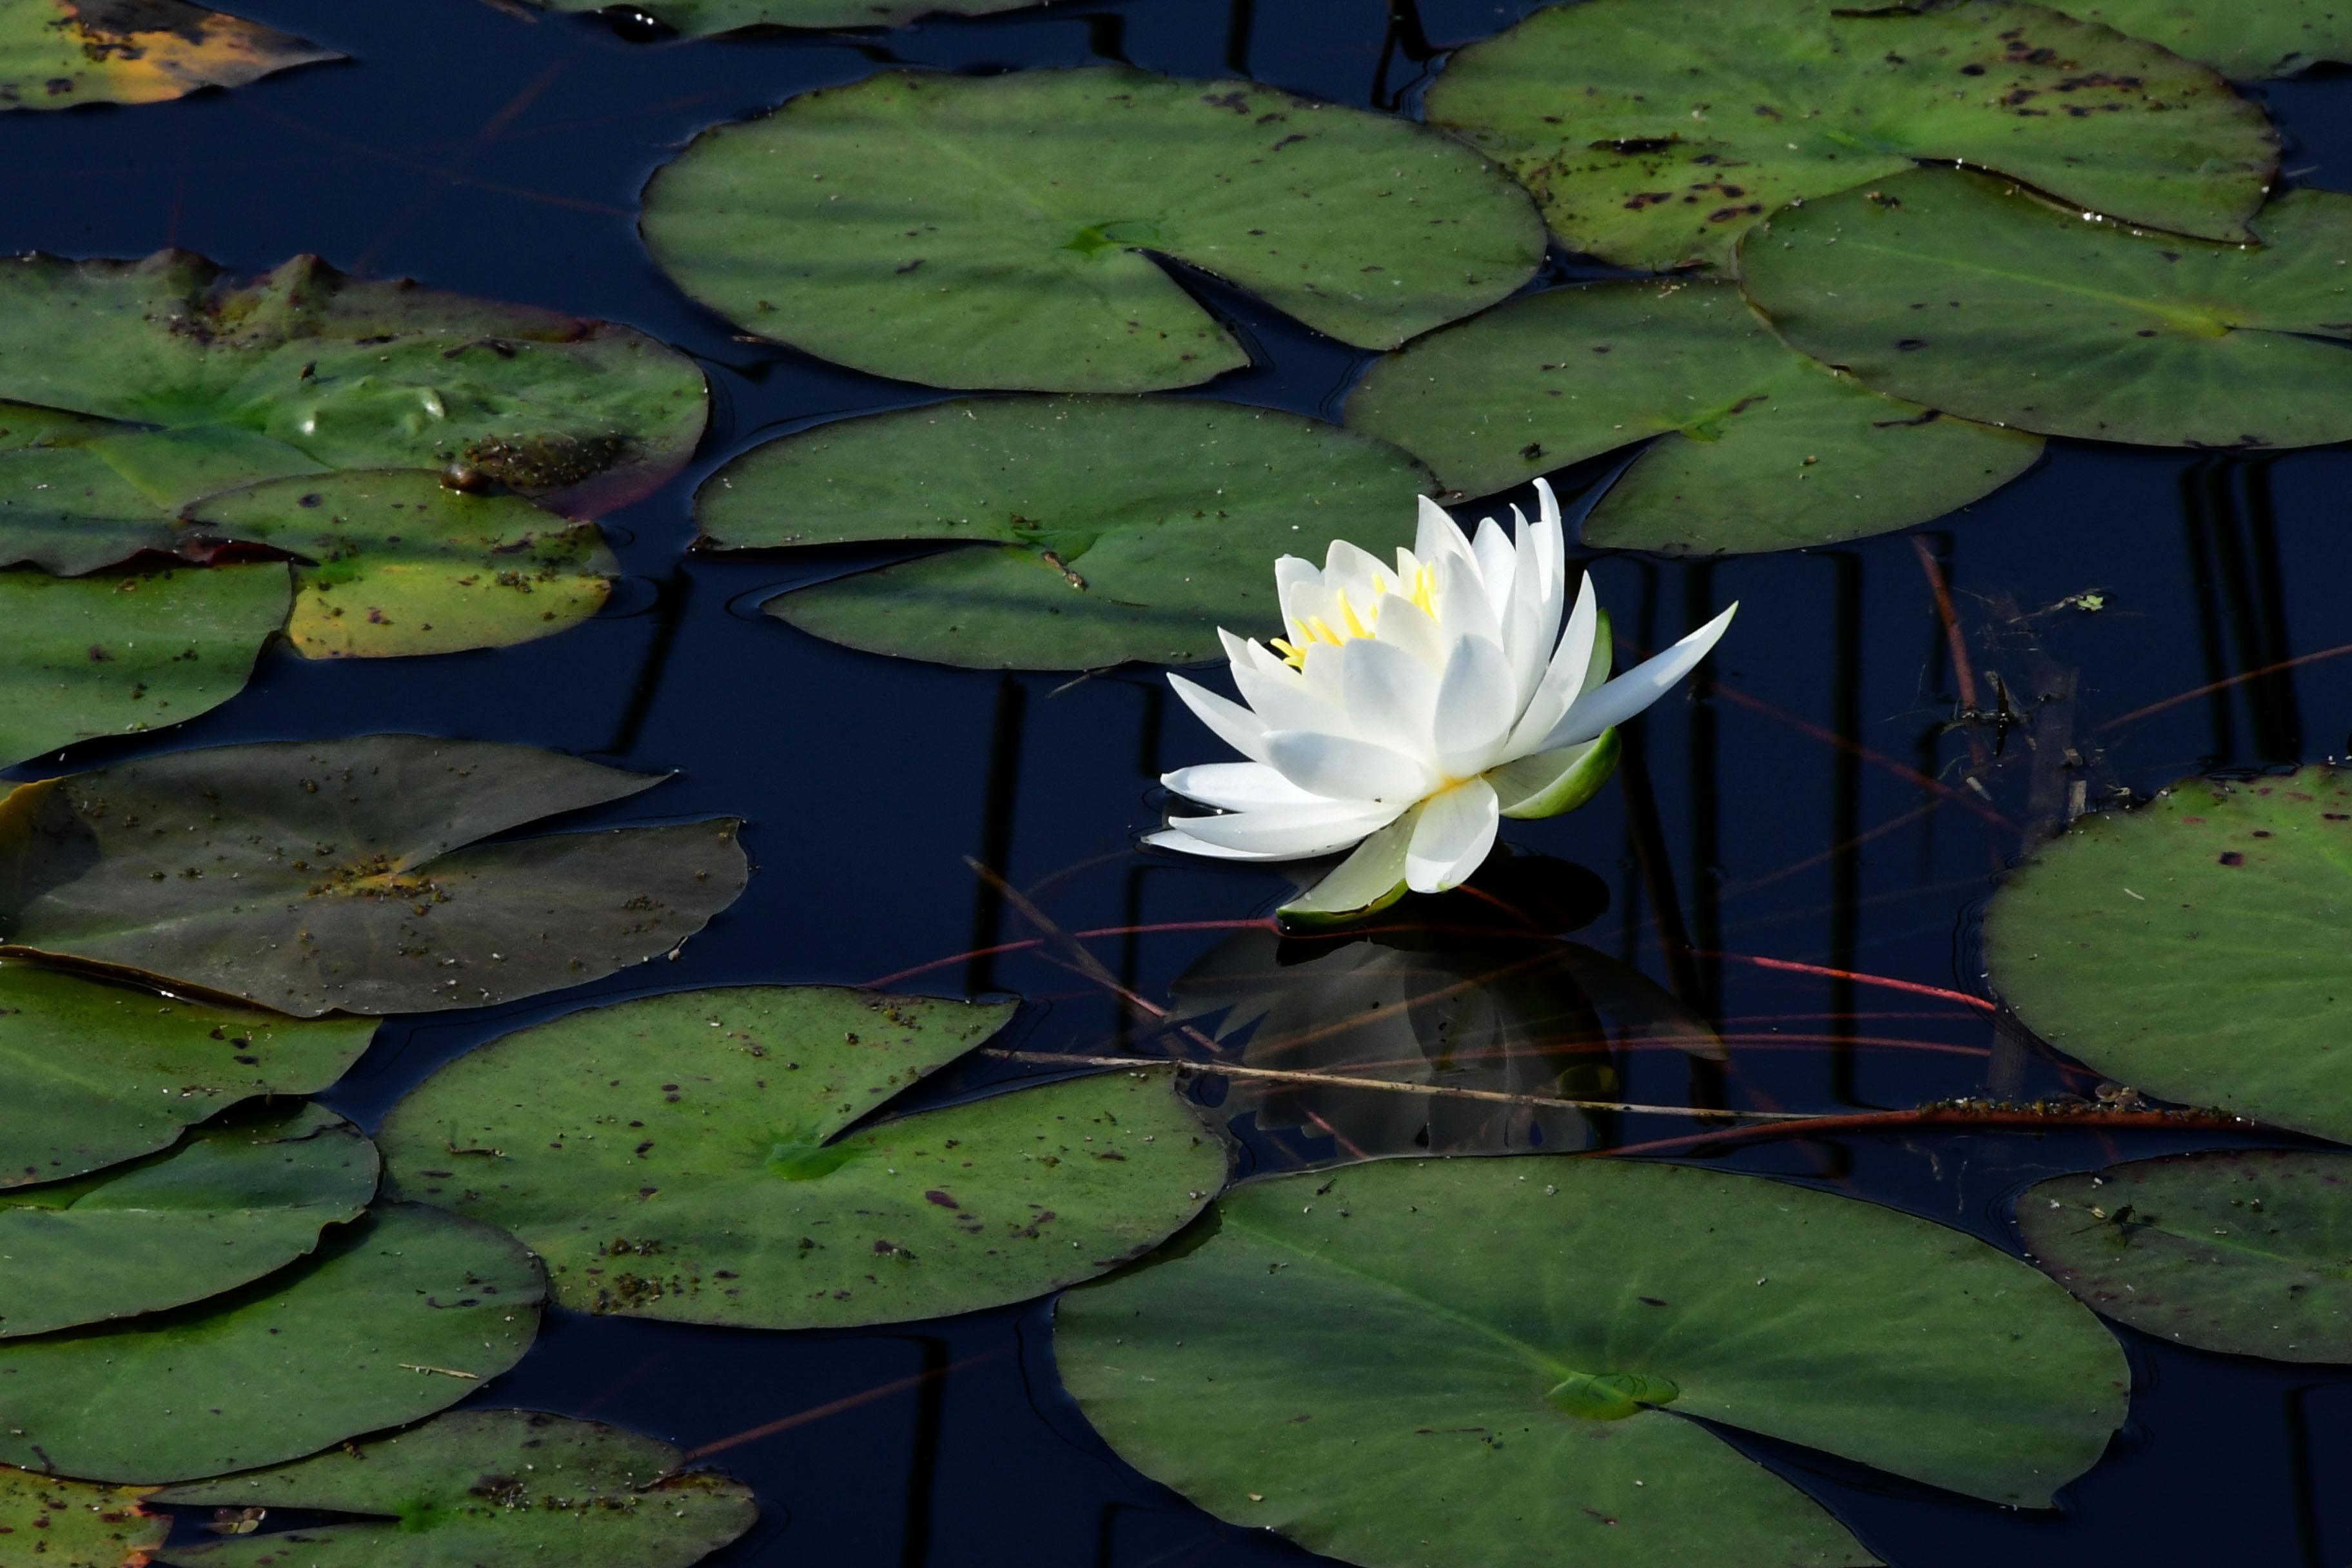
{"points": [[484, 1488], [1486, 1362], [1001, 231], [393, 563], [344, 874], [2193, 947], [140, 388], [1653, 132], [72, 1524], [85, 657], [700, 18], [231, 1204], [1093, 529], [58, 53], [1752, 447], [392, 1319], [93, 1074], [690, 1157], [2245, 1250], [2243, 40], [1984, 300]]}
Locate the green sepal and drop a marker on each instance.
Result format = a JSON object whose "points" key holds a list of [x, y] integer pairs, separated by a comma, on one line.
{"points": [[1368, 881], [1561, 779]]}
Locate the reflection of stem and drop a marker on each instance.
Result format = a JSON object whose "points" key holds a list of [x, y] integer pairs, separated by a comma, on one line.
{"points": [[1858, 977], [1960, 1115]]}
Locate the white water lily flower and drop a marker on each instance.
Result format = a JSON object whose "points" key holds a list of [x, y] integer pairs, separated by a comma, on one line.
{"points": [[1411, 708]]}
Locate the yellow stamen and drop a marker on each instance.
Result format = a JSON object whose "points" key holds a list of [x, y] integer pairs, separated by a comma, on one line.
{"points": [[1347, 612]]}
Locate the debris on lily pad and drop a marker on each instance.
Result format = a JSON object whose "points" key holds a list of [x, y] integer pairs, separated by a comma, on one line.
{"points": [[344, 875], [705, 1157], [55, 54]]}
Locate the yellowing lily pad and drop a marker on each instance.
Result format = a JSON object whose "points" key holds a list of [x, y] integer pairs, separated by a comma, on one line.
{"points": [[55, 54], [999, 231], [76, 1525], [344, 875]]}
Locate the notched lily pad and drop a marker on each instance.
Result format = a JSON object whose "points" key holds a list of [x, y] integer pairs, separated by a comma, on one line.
{"points": [[392, 1319], [72, 1524], [140, 388], [2274, 37], [1751, 446], [1001, 231], [232, 1203], [345, 875], [690, 1157], [92, 1074], [1654, 133], [2248, 1251], [488, 1488], [1091, 530], [55, 54], [85, 657], [1521, 1338], [1984, 300]]}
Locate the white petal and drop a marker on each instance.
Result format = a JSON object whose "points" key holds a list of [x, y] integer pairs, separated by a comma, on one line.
{"points": [[1462, 607], [1348, 567], [1227, 720], [1391, 696], [1236, 786], [1339, 767], [1184, 843], [1438, 536], [1281, 696], [1476, 703], [1563, 680], [1455, 833], [1289, 832], [1292, 577], [1633, 691], [1405, 625], [1497, 565], [1527, 638]]}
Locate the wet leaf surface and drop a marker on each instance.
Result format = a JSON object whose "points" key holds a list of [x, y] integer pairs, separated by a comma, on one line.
{"points": [[687, 1157], [1751, 446], [700, 18], [55, 54], [93, 1074], [2275, 37], [1964, 293], [485, 1488], [72, 1524], [2190, 948], [85, 657], [395, 563], [343, 874], [1654, 133], [232, 1203], [392, 1319], [140, 388], [1094, 530], [2248, 1251], [1001, 231], [1523, 1338]]}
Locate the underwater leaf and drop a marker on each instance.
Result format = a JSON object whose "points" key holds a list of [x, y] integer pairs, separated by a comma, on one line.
{"points": [[232, 1203], [701, 18], [1001, 231], [92, 1074], [392, 1319], [690, 1157], [313, 877], [1987, 301], [140, 388], [397, 562], [2240, 1250], [73, 1524], [2191, 947], [2240, 40], [1751, 446], [58, 53], [1091, 530], [1486, 1363], [484, 1488], [1653, 132], [85, 657]]}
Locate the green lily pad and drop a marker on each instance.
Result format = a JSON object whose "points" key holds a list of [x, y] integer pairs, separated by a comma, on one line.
{"points": [[486, 1488], [93, 1074], [85, 657], [2275, 37], [397, 562], [2191, 948], [2246, 1251], [1751, 446], [391, 1319], [72, 1524], [1521, 1339], [1654, 133], [55, 54], [1990, 302], [1095, 530], [1001, 231], [140, 388], [231, 1204], [701, 18], [343, 874], [691, 1157]]}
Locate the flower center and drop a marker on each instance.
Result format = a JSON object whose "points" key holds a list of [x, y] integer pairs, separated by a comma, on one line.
{"points": [[1314, 630]]}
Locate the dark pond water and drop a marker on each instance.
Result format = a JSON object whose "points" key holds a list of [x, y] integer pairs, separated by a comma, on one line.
{"points": [[1807, 801]]}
